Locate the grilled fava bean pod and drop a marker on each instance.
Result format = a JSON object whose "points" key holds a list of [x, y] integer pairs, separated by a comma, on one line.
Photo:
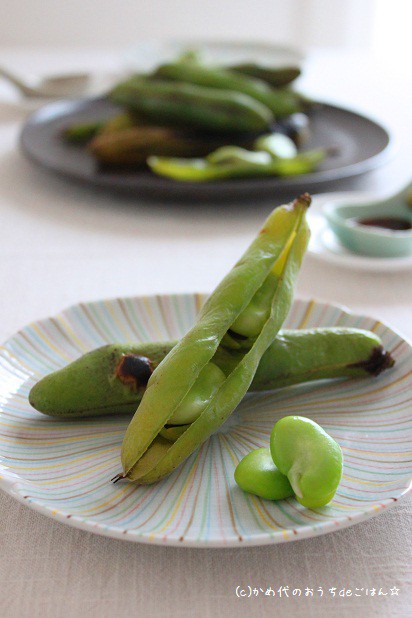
{"points": [[276, 76], [310, 458], [188, 105], [82, 133], [250, 303], [235, 162], [280, 102], [134, 145], [113, 378]]}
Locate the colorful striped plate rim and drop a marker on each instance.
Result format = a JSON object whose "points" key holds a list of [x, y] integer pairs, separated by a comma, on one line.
{"points": [[62, 468]]}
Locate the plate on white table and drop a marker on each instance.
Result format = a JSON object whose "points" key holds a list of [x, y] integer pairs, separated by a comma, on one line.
{"points": [[325, 246], [63, 468], [356, 143], [361, 145]]}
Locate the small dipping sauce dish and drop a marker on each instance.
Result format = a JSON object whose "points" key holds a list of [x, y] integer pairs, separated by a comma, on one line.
{"points": [[376, 229]]}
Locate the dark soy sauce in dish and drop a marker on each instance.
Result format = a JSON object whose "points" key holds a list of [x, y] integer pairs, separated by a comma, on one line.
{"points": [[395, 224]]}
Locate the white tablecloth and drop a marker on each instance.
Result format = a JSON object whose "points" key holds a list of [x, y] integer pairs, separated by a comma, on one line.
{"points": [[62, 244]]}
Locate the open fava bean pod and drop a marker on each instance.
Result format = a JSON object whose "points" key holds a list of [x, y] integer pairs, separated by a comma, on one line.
{"points": [[245, 312]]}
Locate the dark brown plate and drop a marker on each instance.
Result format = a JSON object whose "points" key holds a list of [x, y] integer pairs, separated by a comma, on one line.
{"points": [[360, 144]]}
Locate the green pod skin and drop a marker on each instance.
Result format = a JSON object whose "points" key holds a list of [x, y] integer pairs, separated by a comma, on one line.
{"points": [[310, 458], [118, 123], [180, 104], [178, 373], [245, 166], [304, 163], [172, 432], [108, 380], [302, 356], [280, 102], [113, 378], [257, 474], [80, 134], [208, 382], [275, 77], [235, 154]]}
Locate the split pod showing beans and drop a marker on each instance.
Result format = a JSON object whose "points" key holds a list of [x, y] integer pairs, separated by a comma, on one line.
{"points": [[235, 162], [303, 460], [272, 155], [250, 304]]}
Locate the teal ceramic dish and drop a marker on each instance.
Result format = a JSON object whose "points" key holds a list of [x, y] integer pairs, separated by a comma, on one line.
{"points": [[368, 228]]}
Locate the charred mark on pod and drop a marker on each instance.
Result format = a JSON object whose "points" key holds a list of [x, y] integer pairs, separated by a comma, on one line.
{"points": [[378, 361], [134, 371]]}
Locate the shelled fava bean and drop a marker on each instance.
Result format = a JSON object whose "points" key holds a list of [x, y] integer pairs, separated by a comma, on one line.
{"points": [[303, 460]]}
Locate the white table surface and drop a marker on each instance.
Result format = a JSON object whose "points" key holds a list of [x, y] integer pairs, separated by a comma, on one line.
{"points": [[62, 244]]}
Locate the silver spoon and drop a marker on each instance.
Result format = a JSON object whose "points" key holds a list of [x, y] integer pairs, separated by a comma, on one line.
{"points": [[60, 86]]}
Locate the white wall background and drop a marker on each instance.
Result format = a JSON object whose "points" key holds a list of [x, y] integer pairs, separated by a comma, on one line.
{"points": [[122, 23]]}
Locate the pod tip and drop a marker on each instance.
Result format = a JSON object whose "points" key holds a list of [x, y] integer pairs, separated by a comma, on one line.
{"points": [[378, 361], [305, 199], [116, 478]]}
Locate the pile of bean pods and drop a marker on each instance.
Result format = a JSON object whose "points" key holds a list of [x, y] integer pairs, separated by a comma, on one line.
{"points": [[194, 122], [182, 392]]}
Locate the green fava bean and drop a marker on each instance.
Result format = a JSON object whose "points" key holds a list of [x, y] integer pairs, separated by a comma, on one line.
{"points": [[276, 145], [310, 458], [257, 474], [193, 404]]}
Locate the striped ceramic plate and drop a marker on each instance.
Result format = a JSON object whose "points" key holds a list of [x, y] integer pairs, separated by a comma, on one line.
{"points": [[62, 468]]}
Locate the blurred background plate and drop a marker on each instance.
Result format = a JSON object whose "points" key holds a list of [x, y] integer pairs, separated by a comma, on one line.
{"points": [[62, 468], [360, 144]]}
